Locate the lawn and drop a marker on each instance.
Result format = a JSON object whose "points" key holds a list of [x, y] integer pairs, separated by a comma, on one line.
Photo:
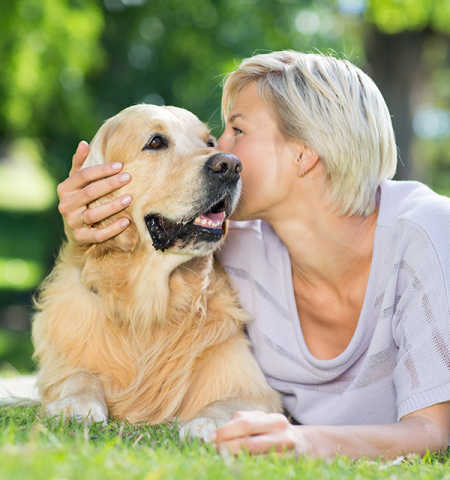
{"points": [[32, 447]]}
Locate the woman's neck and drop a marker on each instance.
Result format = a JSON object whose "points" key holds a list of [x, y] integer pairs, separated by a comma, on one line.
{"points": [[326, 249]]}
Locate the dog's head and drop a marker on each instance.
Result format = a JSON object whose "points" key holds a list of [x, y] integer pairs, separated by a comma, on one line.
{"points": [[183, 188]]}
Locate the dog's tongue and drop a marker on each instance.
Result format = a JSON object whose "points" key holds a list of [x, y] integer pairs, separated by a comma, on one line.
{"points": [[210, 220]]}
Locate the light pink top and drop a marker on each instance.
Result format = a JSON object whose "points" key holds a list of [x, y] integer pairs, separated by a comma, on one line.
{"points": [[398, 360]]}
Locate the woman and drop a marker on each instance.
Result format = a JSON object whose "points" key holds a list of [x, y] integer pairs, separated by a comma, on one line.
{"points": [[346, 273]]}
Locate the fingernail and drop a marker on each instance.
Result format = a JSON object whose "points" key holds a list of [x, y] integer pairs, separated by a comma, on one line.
{"points": [[82, 145], [116, 165], [124, 177], [126, 200], [124, 222]]}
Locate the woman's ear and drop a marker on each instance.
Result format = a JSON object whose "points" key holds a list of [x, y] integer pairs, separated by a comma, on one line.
{"points": [[307, 159]]}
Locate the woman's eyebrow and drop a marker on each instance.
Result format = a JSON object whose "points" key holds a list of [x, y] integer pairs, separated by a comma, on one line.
{"points": [[234, 116]]}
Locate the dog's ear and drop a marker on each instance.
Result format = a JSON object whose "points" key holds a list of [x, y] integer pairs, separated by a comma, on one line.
{"points": [[98, 144], [104, 261], [129, 238]]}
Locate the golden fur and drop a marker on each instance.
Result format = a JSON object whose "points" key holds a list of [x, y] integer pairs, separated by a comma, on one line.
{"points": [[151, 335]]}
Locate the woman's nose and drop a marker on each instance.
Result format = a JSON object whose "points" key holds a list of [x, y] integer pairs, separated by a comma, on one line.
{"points": [[222, 144]]}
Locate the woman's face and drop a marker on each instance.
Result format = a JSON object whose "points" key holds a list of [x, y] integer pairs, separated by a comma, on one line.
{"points": [[268, 158]]}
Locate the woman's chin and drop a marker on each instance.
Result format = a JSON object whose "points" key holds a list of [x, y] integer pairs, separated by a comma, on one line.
{"points": [[244, 213]]}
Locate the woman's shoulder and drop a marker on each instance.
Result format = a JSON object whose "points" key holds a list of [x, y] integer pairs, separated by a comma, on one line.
{"points": [[240, 236], [413, 202], [256, 261], [250, 244], [414, 208], [415, 227]]}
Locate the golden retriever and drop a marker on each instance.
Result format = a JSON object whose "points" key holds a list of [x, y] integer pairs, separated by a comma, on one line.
{"points": [[146, 326]]}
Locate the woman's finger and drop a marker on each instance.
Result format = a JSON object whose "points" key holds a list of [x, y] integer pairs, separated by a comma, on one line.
{"points": [[97, 214], [74, 219], [87, 175], [84, 216], [79, 156], [250, 423], [70, 202], [87, 235], [257, 444]]}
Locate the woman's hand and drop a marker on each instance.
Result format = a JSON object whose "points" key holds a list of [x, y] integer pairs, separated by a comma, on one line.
{"points": [[425, 430], [84, 186], [259, 432]]}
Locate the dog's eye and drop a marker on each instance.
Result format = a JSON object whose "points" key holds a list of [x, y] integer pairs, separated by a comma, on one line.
{"points": [[211, 143], [155, 142]]}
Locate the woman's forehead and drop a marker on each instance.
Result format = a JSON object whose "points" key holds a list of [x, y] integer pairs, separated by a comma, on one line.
{"points": [[246, 99], [248, 106]]}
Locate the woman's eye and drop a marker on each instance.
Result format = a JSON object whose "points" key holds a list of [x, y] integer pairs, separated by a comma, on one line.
{"points": [[237, 130], [156, 142]]}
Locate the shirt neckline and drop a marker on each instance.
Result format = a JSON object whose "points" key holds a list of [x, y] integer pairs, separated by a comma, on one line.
{"points": [[361, 338]]}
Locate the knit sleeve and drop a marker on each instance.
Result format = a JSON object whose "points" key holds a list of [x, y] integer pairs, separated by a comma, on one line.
{"points": [[421, 326]]}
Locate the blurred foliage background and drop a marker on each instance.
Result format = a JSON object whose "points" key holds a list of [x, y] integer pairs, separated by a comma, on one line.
{"points": [[69, 64]]}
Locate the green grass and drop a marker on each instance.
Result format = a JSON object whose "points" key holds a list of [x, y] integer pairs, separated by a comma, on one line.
{"points": [[15, 353], [38, 448]]}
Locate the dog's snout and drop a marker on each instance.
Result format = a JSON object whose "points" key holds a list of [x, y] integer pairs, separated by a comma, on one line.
{"points": [[224, 165]]}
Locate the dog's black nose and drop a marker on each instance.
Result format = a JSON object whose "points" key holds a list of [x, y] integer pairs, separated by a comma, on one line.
{"points": [[225, 166]]}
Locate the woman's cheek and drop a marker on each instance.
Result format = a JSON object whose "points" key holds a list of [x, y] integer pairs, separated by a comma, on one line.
{"points": [[249, 174]]}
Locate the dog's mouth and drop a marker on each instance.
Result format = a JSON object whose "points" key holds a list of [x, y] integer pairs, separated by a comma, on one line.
{"points": [[204, 227]]}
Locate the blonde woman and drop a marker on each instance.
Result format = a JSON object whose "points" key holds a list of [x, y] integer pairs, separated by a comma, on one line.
{"points": [[346, 272]]}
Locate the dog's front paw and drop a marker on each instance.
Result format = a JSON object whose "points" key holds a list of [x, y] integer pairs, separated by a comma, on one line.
{"points": [[200, 427], [80, 408]]}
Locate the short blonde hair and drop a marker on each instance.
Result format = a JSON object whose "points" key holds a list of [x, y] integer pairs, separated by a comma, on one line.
{"points": [[333, 107]]}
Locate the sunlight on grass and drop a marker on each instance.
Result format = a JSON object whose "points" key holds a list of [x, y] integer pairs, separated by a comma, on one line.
{"points": [[19, 274], [24, 183]]}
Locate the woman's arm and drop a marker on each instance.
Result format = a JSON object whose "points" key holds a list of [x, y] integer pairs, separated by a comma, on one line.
{"points": [[84, 186], [258, 432]]}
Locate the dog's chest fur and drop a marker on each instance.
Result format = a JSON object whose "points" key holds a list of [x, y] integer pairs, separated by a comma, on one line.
{"points": [[146, 364]]}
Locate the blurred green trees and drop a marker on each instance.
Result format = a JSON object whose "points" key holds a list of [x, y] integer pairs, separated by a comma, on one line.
{"points": [[407, 47], [69, 64], [47, 48], [395, 16]]}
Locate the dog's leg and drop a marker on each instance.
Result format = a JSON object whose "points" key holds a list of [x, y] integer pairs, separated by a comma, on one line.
{"points": [[228, 379], [80, 396], [215, 415]]}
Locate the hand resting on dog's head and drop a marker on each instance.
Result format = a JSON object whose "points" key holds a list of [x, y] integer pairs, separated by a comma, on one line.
{"points": [[83, 186]]}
